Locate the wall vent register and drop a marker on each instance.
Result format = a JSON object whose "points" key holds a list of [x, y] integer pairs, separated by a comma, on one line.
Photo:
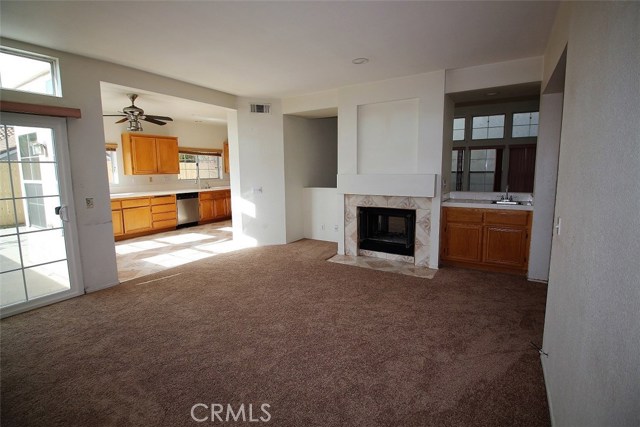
{"points": [[261, 108]]}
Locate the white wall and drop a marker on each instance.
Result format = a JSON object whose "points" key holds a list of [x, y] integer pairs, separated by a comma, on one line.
{"points": [[547, 149], [196, 135], [310, 160], [592, 323], [506, 73], [81, 79], [321, 214], [260, 167], [388, 137]]}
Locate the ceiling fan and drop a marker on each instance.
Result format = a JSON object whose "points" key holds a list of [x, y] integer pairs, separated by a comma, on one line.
{"points": [[134, 114]]}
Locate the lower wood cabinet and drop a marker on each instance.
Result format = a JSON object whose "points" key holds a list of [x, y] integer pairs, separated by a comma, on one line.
{"points": [[143, 215], [215, 205], [136, 219], [163, 212], [116, 218], [486, 238]]}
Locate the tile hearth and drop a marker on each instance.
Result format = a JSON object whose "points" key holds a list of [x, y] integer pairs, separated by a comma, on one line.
{"points": [[388, 265]]}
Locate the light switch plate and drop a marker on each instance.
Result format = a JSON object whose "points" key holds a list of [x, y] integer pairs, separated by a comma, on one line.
{"points": [[88, 202]]}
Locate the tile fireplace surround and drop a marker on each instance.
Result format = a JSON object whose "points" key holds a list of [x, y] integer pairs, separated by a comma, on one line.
{"points": [[422, 206]]}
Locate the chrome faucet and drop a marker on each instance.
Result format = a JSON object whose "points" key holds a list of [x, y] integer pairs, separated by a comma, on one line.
{"points": [[506, 196]]}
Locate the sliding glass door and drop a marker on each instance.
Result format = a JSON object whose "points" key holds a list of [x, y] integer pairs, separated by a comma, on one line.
{"points": [[38, 246]]}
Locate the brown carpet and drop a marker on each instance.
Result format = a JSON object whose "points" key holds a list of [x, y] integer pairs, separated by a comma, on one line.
{"points": [[323, 344]]}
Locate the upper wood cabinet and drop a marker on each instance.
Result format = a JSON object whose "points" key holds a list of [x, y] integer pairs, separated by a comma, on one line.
{"points": [[150, 154], [225, 156]]}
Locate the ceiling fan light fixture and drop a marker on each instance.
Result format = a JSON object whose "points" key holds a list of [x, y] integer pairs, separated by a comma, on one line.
{"points": [[134, 126]]}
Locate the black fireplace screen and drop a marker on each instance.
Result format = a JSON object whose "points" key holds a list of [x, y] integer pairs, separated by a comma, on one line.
{"points": [[387, 230]]}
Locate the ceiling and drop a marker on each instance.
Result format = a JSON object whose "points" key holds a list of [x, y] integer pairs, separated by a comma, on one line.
{"points": [[280, 49]]}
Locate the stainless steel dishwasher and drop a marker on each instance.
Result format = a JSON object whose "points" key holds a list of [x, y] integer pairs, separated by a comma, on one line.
{"points": [[188, 209]]}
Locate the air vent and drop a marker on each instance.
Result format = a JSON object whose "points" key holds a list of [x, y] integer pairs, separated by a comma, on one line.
{"points": [[260, 108]]}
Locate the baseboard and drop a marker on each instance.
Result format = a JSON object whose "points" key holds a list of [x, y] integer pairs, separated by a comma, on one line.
{"points": [[107, 286], [546, 387]]}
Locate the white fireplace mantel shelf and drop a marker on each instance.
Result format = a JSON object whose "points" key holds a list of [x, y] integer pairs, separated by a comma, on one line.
{"points": [[409, 185]]}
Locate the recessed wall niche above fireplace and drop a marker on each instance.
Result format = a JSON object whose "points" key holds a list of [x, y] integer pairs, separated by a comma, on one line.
{"points": [[387, 230]]}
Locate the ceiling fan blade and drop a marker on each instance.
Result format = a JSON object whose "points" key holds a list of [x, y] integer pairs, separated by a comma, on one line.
{"points": [[154, 121], [114, 115], [165, 118], [122, 120]]}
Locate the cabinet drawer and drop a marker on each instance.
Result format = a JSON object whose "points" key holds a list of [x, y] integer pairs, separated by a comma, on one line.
{"points": [[506, 217], [164, 224], [464, 215], [162, 200], [164, 216], [116, 205], [135, 203], [163, 208], [206, 195]]}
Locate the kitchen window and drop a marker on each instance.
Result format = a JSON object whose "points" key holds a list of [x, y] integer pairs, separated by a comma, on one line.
{"points": [[112, 163], [200, 166], [29, 72]]}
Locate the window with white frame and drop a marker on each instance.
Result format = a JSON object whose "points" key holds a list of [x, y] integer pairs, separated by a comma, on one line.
{"points": [[488, 127], [458, 129], [525, 125], [28, 72], [112, 163], [200, 166]]}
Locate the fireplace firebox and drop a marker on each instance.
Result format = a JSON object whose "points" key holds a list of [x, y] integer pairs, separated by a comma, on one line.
{"points": [[387, 230]]}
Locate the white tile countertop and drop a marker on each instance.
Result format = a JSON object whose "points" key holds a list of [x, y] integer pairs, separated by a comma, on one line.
{"points": [[165, 192]]}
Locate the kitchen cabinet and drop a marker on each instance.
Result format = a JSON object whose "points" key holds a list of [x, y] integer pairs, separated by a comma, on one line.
{"points": [[136, 215], [225, 156], [116, 218], [150, 154], [486, 238], [215, 205], [163, 212]]}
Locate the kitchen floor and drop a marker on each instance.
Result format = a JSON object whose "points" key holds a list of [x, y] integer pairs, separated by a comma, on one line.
{"points": [[145, 255]]}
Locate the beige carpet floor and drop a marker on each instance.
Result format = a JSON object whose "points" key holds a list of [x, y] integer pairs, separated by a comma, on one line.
{"points": [[322, 344]]}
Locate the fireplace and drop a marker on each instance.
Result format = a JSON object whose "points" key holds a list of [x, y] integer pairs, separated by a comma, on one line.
{"points": [[387, 230]]}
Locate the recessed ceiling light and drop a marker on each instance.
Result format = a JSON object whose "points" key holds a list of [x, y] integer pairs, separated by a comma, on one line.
{"points": [[492, 93], [360, 61]]}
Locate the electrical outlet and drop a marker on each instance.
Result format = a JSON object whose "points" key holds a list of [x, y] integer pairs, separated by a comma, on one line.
{"points": [[88, 202], [335, 227], [150, 179], [322, 227]]}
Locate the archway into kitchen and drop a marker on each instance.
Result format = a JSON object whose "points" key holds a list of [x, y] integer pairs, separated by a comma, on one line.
{"points": [[168, 168]]}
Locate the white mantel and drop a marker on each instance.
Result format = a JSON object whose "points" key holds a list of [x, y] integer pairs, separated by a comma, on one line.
{"points": [[407, 185]]}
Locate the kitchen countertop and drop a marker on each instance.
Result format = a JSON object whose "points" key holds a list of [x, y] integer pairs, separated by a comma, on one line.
{"points": [[164, 192], [484, 204]]}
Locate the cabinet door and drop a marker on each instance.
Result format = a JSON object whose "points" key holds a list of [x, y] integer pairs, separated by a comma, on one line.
{"points": [[116, 218], [463, 242], [225, 156], [504, 245], [220, 207], [136, 219], [206, 210], [143, 153], [228, 199], [167, 154]]}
